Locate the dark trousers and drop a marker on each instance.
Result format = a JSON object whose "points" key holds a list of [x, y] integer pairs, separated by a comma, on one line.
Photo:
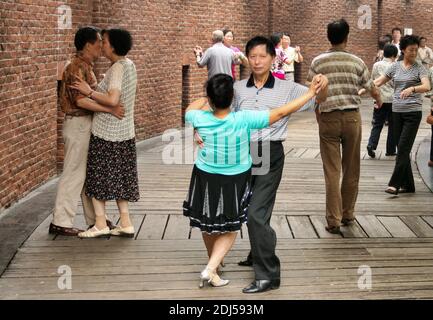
{"points": [[379, 117], [405, 129], [263, 239]]}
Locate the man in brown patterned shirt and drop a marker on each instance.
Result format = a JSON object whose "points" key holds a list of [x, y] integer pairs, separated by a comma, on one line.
{"points": [[78, 111], [340, 124]]}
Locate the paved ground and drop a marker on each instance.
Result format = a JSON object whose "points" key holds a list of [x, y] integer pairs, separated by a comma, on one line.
{"points": [[393, 236]]}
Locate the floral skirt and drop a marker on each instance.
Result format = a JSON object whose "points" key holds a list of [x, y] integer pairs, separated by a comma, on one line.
{"points": [[217, 203], [112, 170]]}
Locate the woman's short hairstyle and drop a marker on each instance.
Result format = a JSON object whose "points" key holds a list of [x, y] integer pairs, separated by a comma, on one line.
{"points": [[120, 40], [408, 40], [85, 35], [219, 90], [258, 41]]}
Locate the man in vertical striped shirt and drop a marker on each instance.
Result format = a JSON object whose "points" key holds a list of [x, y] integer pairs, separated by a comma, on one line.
{"points": [[340, 123]]}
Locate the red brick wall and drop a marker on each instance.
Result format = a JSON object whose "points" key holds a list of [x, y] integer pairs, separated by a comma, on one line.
{"points": [[307, 27], [27, 97], [165, 32]]}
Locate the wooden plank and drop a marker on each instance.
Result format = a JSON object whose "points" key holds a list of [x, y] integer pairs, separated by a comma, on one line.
{"points": [[353, 231], [428, 219], [41, 232], [296, 152], [301, 227], [372, 226], [153, 227], [177, 227], [311, 153], [418, 226], [281, 227], [396, 227], [319, 224]]}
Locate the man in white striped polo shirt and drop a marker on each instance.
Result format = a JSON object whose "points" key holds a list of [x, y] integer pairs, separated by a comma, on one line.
{"points": [[262, 91], [340, 123]]}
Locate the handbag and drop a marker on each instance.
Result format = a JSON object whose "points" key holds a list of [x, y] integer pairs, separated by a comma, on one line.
{"points": [[430, 119]]}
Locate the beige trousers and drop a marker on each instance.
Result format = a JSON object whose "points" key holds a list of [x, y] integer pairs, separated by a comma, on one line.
{"points": [[340, 143], [76, 136]]}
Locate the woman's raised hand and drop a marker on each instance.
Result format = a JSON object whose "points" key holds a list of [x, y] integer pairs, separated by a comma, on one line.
{"points": [[81, 86]]}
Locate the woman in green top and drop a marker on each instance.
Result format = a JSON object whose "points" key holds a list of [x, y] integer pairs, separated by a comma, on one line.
{"points": [[219, 190]]}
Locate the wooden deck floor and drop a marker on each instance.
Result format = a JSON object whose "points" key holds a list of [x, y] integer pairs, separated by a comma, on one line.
{"points": [[392, 235]]}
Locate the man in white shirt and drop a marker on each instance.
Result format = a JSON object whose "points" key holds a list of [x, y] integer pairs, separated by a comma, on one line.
{"points": [[396, 36], [383, 113], [294, 55], [425, 54]]}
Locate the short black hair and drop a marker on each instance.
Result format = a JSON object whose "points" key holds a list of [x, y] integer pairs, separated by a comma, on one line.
{"points": [[422, 38], [397, 29], [85, 35], [276, 38], [383, 41], [120, 40], [338, 31], [219, 89], [258, 41], [408, 40], [390, 51]]}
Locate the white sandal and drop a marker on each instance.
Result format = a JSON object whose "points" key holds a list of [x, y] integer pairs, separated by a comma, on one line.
{"points": [[128, 232], [95, 233]]}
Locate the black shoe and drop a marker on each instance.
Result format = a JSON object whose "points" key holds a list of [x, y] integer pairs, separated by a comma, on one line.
{"points": [[347, 222], [390, 154], [245, 263], [406, 190], [371, 152], [262, 286], [333, 229], [248, 262]]}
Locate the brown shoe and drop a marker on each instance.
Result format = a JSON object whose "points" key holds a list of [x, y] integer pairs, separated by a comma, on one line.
{"points": [[62, 231], [430, 163]]}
